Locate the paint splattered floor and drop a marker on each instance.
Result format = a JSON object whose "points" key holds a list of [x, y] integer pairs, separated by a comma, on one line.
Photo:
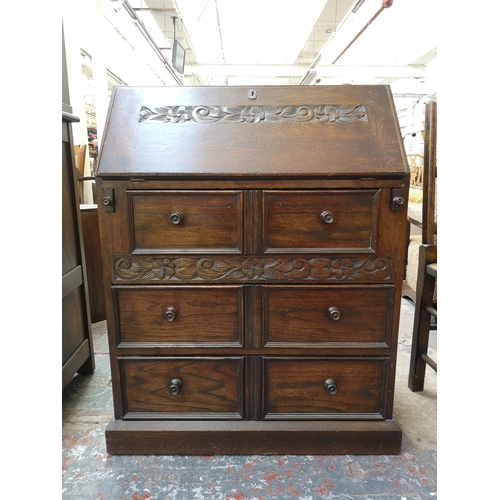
{"points": [[89, 473]]}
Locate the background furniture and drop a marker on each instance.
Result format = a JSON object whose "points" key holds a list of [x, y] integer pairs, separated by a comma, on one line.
{"points": [[415, 163], [77, 346], [253, 243], [93, 260], [419, 195], [426, 290], [80, 151]]}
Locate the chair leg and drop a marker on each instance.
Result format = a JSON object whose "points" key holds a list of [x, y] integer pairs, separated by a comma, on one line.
{"points": [[419, 345], [422, 319]]}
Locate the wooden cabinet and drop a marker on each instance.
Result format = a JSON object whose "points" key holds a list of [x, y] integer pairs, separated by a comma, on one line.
{"points": [[77, 346], [253, 254]]}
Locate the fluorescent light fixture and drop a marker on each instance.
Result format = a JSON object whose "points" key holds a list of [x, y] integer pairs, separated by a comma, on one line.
{"points": [[232, 32], [357, 6], [308, 78], [147, 19]]}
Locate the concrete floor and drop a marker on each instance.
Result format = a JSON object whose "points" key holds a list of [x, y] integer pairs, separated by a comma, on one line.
{"points": [[89, 473]]}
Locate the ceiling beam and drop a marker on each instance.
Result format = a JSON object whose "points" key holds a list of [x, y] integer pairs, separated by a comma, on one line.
{"points": [[413, 71]]}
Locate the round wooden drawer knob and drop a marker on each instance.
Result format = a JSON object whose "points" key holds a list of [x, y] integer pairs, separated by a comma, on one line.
{"points": [[175, 387], [327, 217], [176, 218], [171, 314], [330, 386], [334, 313]]}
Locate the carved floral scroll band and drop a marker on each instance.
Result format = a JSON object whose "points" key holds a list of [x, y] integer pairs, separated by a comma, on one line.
{"points": [[241, 269], [253, 114]]}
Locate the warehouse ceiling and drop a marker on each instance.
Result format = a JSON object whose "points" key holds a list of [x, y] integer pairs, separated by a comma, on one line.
{"points": [[290, 42]]}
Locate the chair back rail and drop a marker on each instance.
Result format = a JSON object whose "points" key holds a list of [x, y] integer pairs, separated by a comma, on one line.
{"points": [[429, 177]]}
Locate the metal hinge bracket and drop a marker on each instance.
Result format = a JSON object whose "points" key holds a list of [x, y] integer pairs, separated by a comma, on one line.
{"points": [[108, 199], [397, 200]]}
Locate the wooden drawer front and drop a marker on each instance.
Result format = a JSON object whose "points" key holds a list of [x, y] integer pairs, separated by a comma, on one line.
{"points": [[320, 221], [296, 388], [204, 221], [327, 315], [209, 387], [181, 315]]}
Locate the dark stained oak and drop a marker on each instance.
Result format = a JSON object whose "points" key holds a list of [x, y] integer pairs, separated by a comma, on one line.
{"points": [[298, 387], [186, 221], [253, 438], [253, 256], [319, 221], [204, 386], [309, 315], [181, 315], [77, 344], [93, 260], [426, 288]]}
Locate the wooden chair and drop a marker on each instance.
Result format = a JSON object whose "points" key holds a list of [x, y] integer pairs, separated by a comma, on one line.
{"points": [[414, 225], [415, 162], [426, 290]]}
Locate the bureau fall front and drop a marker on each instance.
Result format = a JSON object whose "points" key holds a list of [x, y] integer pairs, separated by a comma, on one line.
{"points": [[253, 243]]}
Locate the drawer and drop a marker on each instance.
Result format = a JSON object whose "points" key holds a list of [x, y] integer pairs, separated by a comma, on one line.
{"points": [[307, 221], [324, 388], [187, 221], [183, 387], [183, 316], [312, 316]]}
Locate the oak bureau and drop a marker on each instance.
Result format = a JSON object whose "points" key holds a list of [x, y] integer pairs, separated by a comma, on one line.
{"points": [[253, 244]]}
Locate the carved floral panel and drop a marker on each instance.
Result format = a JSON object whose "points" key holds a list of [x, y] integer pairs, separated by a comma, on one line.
{"points": [[254, 114], [251, 269]]}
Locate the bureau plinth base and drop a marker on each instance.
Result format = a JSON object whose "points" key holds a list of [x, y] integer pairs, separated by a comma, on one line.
{"points": [[253, 438]]}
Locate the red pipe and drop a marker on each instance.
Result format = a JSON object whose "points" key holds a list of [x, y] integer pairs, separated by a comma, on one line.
{"points": [[385, 5]]}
